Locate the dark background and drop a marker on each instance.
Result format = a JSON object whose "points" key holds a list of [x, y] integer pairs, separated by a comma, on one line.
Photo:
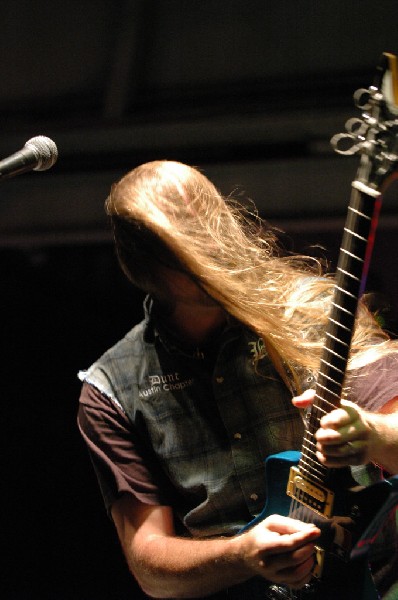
{"points": [[250, 91]]}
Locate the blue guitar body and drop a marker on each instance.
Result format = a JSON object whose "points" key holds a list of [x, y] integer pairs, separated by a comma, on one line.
{"points": [[343, 577]]}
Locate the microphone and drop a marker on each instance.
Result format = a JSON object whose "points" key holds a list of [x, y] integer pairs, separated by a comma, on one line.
{"points": [[39, 154]]}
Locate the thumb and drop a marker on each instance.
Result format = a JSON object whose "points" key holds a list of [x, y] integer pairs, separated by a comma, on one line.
{"points": [[304, 400]]}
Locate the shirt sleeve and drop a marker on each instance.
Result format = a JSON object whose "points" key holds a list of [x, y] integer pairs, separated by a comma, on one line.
{"points": [[372, 386], [121, 461]]}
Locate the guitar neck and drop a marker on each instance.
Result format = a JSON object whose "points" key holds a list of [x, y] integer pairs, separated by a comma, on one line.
{"points": [[375, 138], [351, 272], [312, 486]]}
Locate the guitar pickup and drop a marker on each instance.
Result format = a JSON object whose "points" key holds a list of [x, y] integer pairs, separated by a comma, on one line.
{"points": [[315, 497]]}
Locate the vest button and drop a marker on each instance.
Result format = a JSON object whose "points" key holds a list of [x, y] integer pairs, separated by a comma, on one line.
{"points": [[253, 497], [220, 379], [237, 436]]}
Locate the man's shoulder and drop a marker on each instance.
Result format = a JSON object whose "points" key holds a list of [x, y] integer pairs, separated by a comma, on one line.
{"points": [[123, 357], [130, 344]]}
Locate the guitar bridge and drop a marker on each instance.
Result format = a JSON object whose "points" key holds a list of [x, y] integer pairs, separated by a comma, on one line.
{"points": [[315, 497]]}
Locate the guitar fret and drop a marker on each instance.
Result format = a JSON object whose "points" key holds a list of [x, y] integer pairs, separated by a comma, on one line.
{"points": [[359, 213], [309, 445], [340, 324], [348, 274], [309, 456], [343, 309], [333, 352], [354, 234], [310, 475], [328, 390], [332, 366], [308, 440], [309, 459], [306, 449], [322, 374], [325, 401], [309, 470], [358, 258], [336, 339], [330, 405], [309, 464], [354, 296]]}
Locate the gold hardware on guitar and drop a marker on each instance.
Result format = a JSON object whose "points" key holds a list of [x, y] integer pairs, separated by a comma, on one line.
{"points": [[318, 498]]}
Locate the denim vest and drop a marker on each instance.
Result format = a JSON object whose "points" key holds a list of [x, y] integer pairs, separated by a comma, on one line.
{"points": [[210, 426]]}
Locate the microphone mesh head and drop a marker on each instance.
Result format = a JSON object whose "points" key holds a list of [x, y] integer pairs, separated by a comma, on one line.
{"points": [[45, 150]]}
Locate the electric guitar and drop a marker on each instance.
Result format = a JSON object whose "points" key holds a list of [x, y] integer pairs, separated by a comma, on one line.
{"points": [[330, 497]]}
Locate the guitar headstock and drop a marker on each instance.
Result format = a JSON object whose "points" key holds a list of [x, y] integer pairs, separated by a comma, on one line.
{"points": [[387, 81], [375, 136]]}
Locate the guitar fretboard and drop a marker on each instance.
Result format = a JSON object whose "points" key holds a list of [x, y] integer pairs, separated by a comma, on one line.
{"points": [[351, 268]]}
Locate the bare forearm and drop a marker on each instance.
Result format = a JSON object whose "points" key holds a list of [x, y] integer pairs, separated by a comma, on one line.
{"points": [[167, 567], [384, 440], [278, 549]]}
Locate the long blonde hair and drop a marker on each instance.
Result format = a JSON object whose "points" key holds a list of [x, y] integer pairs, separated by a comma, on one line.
{"points": [[168, 211]]}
